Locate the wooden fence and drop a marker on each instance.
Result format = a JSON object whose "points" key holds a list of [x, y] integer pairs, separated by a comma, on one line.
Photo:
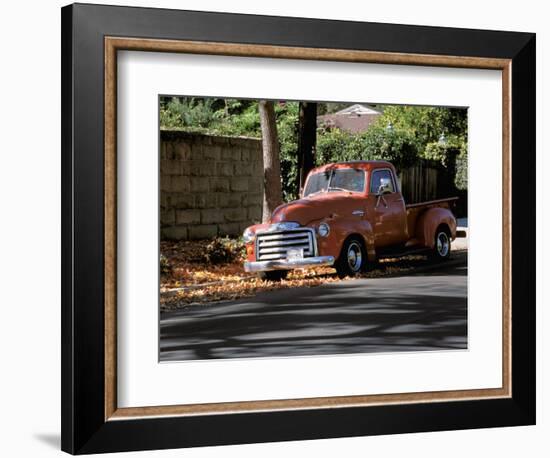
{"points": [[428, 180]]}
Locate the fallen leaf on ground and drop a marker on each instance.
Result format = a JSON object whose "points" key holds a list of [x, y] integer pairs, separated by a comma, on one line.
{"points": [[191, 281]]}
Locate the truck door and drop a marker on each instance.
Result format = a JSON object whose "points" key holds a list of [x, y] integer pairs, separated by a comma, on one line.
{"points": [[387, 207]]}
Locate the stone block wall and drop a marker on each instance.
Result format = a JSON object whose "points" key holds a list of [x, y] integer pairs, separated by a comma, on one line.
{"points": [[209, 185]]}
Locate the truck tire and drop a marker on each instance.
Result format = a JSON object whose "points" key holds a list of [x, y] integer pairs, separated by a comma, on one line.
{"points": [[274, 275], [352, 259], [442, 244]]}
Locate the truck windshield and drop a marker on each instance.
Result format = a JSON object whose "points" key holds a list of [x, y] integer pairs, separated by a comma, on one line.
{"points": [[352, 180]]}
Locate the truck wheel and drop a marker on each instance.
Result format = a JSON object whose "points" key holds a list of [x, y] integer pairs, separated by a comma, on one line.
{"points": [[274, 275], [352, 259], [442, 244]]}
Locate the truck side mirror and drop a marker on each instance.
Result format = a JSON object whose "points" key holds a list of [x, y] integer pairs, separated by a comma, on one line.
{"points": [[384, 188]]}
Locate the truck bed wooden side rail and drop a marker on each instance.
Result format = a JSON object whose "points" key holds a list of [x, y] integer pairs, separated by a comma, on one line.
{"points": [[431, 203]]}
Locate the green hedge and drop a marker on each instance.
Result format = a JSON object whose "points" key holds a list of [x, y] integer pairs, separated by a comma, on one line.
{"points": [[401, 135]]}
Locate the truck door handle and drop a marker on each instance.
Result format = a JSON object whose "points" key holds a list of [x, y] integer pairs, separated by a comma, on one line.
{"points": [[358, 213]]}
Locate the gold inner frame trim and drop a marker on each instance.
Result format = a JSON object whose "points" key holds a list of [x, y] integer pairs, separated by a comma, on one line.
{"points": [[114, 44]]}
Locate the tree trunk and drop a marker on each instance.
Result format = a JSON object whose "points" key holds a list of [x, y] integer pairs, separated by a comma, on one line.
{"points": [[307, 139], [272, 165]]}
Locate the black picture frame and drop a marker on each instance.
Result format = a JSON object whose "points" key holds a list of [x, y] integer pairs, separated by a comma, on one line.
{"points": [[84, 427]]}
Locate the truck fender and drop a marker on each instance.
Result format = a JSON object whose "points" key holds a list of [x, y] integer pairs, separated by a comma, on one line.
{"points": [[430, 220], [340, 230], [366, 232]]}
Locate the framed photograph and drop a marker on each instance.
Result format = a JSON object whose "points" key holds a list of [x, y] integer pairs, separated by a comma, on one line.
{"points": [[283, 228]]}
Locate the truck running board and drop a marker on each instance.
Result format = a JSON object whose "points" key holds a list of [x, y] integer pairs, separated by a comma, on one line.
{"points": [[401, 254]]}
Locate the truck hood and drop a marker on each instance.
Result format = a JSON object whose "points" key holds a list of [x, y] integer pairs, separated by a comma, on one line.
{"points": [[310, 209]]}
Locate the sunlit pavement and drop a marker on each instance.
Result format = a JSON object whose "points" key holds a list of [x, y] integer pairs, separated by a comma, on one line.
{"points": [[461, 243], [416, 312]]}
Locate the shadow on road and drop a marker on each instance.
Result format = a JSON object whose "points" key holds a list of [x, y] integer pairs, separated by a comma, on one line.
{"points": [[420, 312]]}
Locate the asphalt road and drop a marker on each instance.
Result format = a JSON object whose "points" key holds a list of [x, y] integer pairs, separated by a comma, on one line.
{"points": [[423, 311]]}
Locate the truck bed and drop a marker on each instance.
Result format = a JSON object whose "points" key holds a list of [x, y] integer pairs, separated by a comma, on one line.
{"points": [[415, 210], [445, 203]]}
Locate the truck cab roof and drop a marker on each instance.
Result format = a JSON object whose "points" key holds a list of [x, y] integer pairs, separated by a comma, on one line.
{"points": [[364, 165]]}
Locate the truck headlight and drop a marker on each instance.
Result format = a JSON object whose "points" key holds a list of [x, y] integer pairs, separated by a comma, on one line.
{"points": [[323, 229], [248, 236]]}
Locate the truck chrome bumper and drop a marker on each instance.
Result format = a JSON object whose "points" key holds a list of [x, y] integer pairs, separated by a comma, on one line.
{"points": [[285, 264]]}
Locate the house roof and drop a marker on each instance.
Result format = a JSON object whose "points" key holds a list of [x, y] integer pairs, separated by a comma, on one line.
{"points": [[356, 118], [358, 110]]}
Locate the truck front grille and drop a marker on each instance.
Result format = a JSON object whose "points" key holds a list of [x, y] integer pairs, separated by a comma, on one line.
{"points": [[275, 245]]}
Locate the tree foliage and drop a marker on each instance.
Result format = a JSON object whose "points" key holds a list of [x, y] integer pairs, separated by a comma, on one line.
{"points": [[402, 134], [188, 112], [426, 124], [287, 127], [440, 133], [377, 143]]}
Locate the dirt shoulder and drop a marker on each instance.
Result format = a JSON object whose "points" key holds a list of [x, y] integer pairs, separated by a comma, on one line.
{"points": [[189, 279]]}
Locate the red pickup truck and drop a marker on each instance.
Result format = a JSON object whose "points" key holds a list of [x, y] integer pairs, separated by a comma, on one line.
{"points": [[349, 214]]}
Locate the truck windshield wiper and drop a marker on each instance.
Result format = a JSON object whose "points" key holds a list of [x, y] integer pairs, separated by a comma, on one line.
{"points": [[316, 192], [335, 188]]}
